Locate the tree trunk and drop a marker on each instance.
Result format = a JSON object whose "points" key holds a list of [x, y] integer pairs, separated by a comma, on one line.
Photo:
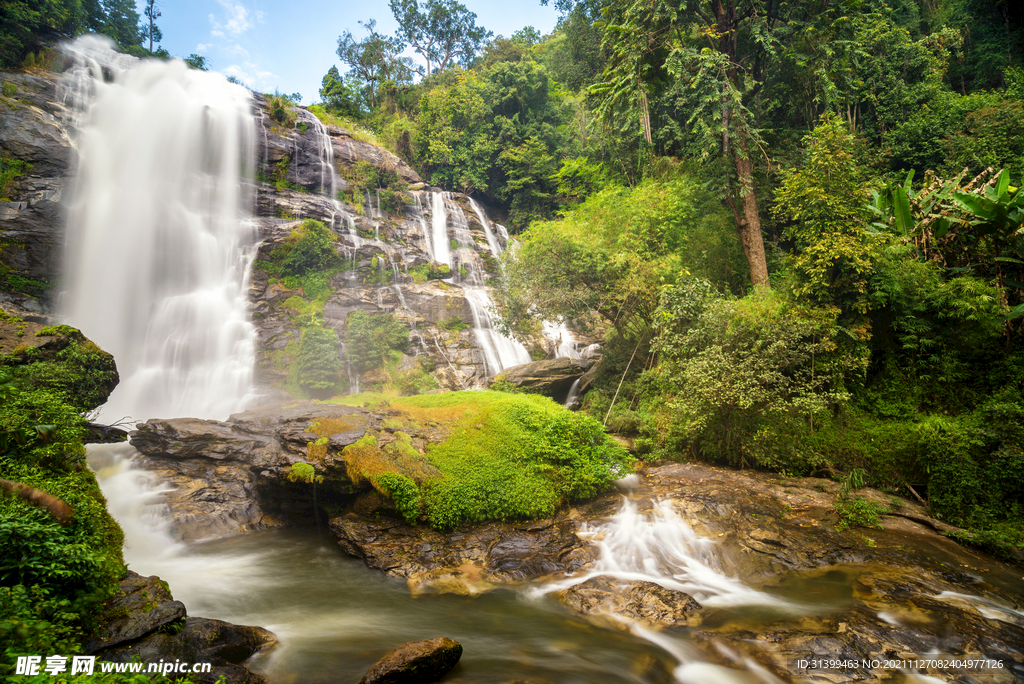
{"points": [[748, 223]]}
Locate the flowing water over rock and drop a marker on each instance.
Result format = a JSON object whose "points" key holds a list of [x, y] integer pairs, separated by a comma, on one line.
{"points": [[159, 235]]}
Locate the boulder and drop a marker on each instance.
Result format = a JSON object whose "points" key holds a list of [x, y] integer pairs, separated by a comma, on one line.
{"points": [[417, 662], [142, 605], [143, 621], [550, 377], [645, 602]]}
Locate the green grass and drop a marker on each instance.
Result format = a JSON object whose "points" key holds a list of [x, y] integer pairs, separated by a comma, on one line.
{"points": [[503, 457]]}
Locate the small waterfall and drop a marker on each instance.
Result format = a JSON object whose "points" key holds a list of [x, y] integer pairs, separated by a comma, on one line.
{"points": [[439, 229], [491, 241], [562, 340], [159, 235], [500, 352], [662, 548], [573, 400], [418, 212]]}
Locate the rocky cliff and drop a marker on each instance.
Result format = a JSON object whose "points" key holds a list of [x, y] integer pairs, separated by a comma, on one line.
{"points": [[408, 249]]}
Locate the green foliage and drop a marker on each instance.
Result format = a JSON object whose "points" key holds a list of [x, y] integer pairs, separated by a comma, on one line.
{"points": [[373, 61], [10, 168], [282, 109], [742, 376], [304, 472], [452, 323], [53, 577], [404, 492], [10, 89], [827, 202], [858, 512], [313, 249], [443, 32], [371, 339], [528, 456], [613, 253], [318, 362], [198, 62]]}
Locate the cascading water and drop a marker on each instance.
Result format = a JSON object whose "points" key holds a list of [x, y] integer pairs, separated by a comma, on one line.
{"points": [[499, 352], [159, 233]]}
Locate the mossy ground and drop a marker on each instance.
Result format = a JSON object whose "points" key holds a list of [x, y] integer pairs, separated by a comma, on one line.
{"points": [[492, 456]]}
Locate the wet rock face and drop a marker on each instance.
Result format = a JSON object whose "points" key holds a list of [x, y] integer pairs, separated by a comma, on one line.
{"points": [[417, 662], [644, 602], [143, 621], [32, 213], [232, 477], [470, 560]]}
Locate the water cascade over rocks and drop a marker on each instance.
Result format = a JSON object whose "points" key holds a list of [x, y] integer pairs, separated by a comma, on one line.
{"points": [[159, 236]]}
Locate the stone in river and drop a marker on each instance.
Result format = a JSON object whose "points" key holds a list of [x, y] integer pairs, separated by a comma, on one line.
{"points": [[416, 662]]}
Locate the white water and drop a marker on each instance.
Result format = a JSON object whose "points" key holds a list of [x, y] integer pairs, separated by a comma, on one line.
{"points": [[573, 398], [159, 233], [562, 340], [442, 252], [662, 548]]}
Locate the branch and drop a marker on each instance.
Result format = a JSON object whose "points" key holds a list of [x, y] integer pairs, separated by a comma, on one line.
{"points": [[60, 511]]}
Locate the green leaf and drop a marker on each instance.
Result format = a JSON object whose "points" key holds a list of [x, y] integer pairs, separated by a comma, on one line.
{"points": [[901, 209]]}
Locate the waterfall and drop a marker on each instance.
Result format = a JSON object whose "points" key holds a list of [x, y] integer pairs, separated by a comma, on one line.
{"points": [[491, 241], [662, 548], [562, 340], [439, 229], [573, 399], [500, 352], [159, 235]]}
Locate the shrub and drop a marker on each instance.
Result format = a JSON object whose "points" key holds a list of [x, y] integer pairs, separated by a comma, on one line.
{"points": [[313, 249], [318, 363], [506, 457], [743, 375], [370, 339]]}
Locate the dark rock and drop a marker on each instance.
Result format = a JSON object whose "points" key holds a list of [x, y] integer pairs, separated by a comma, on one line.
{"points": [[200, 640], [641, 601], [551, 377], [466, 560], [104, 434], [142, 605], [417, 662]]}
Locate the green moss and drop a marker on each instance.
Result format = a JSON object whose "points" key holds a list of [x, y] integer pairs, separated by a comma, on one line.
{"points": [[504, 457], [55, 576]]}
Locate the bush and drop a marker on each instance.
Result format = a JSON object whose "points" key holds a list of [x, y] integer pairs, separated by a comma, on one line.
{"points": [[318, 362], [313, 249], [506, 457], [744, 376], [370, 339]]}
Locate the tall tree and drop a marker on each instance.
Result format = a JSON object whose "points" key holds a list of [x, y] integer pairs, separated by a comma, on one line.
{"points": [[153, 31], [442, 31], [375, 59], [708, 59]]}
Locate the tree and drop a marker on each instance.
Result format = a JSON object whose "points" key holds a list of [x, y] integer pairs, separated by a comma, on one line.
{"points": [[152, 31], [707, 59], [122, 24], [197, 62], [442, 31], [340, 94], [318, 361], [375, 59]]}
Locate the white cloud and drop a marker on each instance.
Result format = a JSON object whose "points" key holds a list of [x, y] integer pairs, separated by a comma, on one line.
{"points": [[236, 19], [251, 75], [201, 48], [260, 16]]}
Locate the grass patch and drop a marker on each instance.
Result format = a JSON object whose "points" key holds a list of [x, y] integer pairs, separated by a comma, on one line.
{"points": [[503, 457]]}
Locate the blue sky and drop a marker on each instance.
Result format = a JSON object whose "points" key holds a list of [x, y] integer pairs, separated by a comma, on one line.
{"points": [[291, 45]]}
